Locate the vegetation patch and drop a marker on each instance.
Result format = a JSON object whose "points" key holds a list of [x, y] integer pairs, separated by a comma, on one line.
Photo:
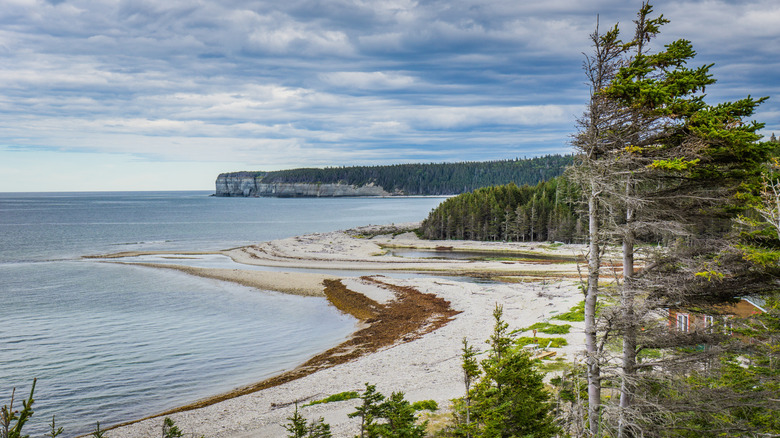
{"points": [[423, 178], [550, 329], [542, 341], [554, 365], [575, 314], [425, 405], [347, 395]]}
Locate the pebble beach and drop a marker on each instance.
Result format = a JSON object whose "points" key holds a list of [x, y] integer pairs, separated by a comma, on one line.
{"points": [[421, 360]]}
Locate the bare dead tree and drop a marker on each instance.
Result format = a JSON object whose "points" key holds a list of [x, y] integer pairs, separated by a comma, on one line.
{"points": [[593, 143]]}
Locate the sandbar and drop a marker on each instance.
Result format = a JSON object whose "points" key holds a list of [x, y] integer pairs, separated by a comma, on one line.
{"points": [[421, 359]]}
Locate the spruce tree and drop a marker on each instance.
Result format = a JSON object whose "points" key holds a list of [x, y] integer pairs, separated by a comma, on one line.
{"points": [[678, 167], [510, 399], [369, 411], [471, 371], [400, 419], [296, 426], [170, 430], [12, 421]]}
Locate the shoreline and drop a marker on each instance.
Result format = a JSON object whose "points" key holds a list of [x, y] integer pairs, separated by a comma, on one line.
{"points": [[406, 316], [411, 355]]}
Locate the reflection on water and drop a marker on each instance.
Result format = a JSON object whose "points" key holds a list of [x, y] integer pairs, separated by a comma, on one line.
{"points": [[474, 255]]}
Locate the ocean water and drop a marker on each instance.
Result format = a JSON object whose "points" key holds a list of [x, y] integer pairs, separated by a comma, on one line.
{"points": [[112, 343]]}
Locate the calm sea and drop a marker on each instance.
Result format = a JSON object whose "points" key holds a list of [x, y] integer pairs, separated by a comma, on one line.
{"points": [[111, 343]]}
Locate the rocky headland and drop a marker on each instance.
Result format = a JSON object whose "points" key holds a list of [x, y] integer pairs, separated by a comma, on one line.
{"points": [[247, 184]]}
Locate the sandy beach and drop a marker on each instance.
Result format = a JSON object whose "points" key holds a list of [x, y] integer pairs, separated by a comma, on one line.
{"points": [[420, 357]]}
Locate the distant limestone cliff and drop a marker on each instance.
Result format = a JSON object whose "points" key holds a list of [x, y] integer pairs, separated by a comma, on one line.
{"points": [[395, 180]]}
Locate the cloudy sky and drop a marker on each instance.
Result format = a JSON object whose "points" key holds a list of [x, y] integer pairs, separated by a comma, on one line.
{"points": [[164, 95]]}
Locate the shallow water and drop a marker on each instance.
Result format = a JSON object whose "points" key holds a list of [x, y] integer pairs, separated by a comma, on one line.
{"points": [[445, 254], [112, 342]]}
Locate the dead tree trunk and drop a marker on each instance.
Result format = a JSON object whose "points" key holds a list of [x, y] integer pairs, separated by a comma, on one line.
{"points": [[628, 366], [591, 298]]}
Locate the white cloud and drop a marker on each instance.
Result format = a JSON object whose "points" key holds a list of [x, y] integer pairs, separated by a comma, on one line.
{"points": [[466, 117], [369, 80], [316, 82]]}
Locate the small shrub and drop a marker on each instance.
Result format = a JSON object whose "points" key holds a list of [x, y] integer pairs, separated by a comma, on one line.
{"points": [[425, 405], [170, 430], [55, 431], [97, 433], [347, 395]]}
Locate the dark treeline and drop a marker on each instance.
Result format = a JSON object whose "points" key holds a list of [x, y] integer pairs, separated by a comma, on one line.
{"points": [[510, 213], [429, 179]]}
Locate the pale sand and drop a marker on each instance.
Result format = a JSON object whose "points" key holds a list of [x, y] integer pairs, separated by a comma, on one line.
{"points": [[425, 368], [298, 283], [340, 250]]}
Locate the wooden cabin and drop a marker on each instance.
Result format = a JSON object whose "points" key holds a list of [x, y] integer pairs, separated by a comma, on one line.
{"points": [[687, 321]]}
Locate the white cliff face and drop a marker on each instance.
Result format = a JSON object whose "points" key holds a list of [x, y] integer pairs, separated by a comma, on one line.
{"points": [[238, 185], [283, 190]]}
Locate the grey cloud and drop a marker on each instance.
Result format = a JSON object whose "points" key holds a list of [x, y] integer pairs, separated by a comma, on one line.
{"points": [[365, 79]]}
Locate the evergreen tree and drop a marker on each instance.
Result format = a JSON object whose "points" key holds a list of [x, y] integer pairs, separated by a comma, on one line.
{"points": [[675, 167], [98, 433], [400, 419], [12, 421], [170, 430], [296, 426], [319, 429], [510, 399], [595, 143], [299, 427], [471, 371], [369, 411], [54, 431]]}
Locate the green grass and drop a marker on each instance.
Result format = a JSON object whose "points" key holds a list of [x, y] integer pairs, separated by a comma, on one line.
{"points": [[541, 341], [575, 314], [555, 365], [347, 395], [550, 329]]}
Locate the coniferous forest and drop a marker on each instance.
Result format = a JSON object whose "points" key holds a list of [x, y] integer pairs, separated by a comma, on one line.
{"points": [[426, 178], [541, 212]]}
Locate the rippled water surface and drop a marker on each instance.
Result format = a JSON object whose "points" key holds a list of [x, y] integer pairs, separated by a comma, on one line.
{"points": [[111, 343]]}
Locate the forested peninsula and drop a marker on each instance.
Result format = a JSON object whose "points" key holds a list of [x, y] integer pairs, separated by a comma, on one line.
{"points": [[395, 180]]}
